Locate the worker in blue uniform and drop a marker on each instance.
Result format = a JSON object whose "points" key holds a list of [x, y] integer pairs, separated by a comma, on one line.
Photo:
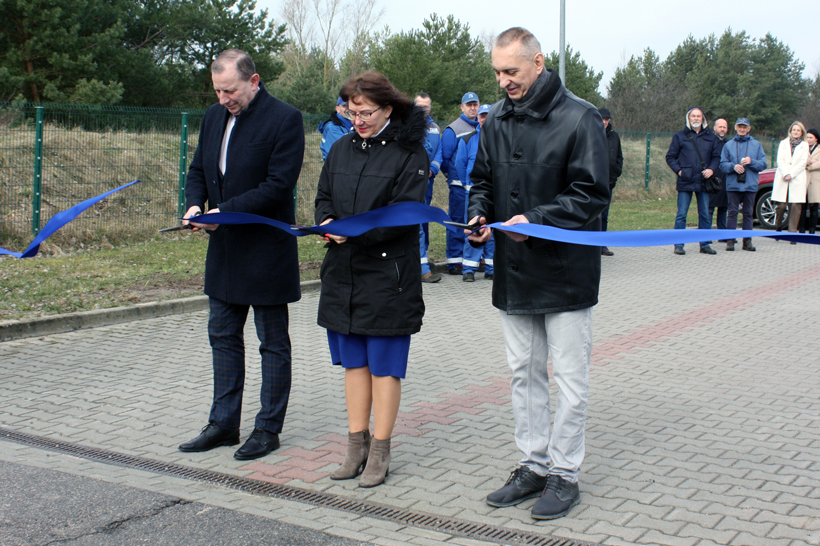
{"points": [[461, 127], [334, 128], [464, 161], [432, 143]]}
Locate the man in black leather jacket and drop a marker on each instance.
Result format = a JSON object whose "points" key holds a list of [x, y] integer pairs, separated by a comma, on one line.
{"points": [[543, 159]]}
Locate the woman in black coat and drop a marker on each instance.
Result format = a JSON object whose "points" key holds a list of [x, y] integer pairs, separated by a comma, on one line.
{"points": [[371, 299]]}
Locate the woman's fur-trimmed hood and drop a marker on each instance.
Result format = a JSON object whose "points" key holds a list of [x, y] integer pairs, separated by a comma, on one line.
{"points": [[410, 129]]}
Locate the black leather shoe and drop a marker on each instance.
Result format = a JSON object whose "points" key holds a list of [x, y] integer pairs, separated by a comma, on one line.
{"points": [[468, 277], [455, 270], [522, 484], [679, 251], [559, 496], [211, 436], [606, 252], [259, 443], [488, 276], [707, 250]]}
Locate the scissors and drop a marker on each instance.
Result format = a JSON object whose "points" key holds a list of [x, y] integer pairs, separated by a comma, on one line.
{"points": [[181, 226], [471, 227]]}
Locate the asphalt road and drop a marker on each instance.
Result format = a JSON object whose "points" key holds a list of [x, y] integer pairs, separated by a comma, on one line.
{"points": [[42, 507]]}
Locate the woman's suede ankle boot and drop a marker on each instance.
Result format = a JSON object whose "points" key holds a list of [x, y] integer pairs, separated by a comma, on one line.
{"points": [[358, 446], [377, 463]]}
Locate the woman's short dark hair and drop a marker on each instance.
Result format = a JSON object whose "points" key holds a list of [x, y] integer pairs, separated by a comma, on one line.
{"points": [[375, 87]]}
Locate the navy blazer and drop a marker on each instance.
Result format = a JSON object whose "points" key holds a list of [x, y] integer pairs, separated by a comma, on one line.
{"points": [[250, 264]]}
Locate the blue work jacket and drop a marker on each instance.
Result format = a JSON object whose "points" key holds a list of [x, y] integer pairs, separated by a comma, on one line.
{"points": [[432, 143], [449, 146], [332, 130], [465, 156]]}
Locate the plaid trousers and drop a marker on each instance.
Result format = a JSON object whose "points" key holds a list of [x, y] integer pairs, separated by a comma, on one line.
{"points": [[226, 324]]}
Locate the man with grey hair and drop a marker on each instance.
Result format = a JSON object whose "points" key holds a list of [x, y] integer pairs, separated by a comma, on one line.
{"points": [[248, 159], [542, 158], [693, 156]]}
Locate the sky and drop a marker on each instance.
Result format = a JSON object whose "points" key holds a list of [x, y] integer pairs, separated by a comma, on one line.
{"points": [[608, 32]]}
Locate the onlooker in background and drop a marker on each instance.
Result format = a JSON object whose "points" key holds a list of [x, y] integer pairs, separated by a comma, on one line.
{"points": [[248, 159], [371, 300], [464, 125], [719, 200], [616, 167], [813, 174], [790, 178], [432, 143], [683, 158], [464, 162], [334, 128], [741, 161]]}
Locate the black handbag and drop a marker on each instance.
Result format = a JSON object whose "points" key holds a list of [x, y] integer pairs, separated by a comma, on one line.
{"points": [[711, 184]]}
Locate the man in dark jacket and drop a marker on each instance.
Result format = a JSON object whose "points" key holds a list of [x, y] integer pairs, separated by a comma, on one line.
{"points": [[719, 200], [616, 167], [542, 158], [685, 161], [248, 159]]}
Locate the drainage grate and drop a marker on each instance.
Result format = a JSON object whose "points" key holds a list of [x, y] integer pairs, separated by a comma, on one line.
{"points": [[451, 526]]}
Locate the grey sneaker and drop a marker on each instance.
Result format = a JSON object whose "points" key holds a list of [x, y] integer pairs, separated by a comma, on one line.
{"points": [[559, 496], [522, 484]]}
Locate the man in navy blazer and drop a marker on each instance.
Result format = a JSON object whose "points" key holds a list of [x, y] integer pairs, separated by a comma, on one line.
{"points": [[248, 159]]}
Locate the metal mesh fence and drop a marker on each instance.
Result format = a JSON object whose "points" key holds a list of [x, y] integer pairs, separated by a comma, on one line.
{"points": [[53, 156]]}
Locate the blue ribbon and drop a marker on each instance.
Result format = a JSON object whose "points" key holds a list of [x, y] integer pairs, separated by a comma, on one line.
{"points": [[409, 213], [395, 215], [58, 221]]}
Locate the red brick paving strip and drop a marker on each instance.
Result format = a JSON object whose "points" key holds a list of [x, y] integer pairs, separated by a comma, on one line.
{"points": [[303, 465]]}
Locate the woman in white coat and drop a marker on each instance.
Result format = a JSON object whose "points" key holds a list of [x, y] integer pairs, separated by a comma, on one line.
{"points": [[790, 179]]}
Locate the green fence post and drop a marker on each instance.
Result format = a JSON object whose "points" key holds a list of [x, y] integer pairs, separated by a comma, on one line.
{"points": [[774, 153], [646, 172], [183, 164], [37, 185]]}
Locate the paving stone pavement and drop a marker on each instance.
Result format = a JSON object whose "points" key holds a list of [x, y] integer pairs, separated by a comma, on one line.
{"points": [[702, 428]]}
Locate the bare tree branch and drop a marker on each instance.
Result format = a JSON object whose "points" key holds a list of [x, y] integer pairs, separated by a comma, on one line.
{"points": [[297, 15]]}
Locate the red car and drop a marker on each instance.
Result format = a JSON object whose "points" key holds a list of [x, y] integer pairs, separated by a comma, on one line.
{"points": [[764, 207]]}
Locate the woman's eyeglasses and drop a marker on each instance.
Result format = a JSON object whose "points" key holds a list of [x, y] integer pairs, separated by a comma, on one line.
{"points": [[364, 116]]}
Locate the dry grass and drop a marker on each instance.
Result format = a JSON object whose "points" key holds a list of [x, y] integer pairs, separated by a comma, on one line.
{"points": [[79, 164]]}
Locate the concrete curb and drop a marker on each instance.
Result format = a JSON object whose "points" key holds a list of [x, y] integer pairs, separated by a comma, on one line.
{"points": [[68, 322]]}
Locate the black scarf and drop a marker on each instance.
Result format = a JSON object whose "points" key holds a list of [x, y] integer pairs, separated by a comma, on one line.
{"points": [[519, 106]]}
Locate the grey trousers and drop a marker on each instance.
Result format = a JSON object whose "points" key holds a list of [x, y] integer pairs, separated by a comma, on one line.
{"points": [[530, 340]]}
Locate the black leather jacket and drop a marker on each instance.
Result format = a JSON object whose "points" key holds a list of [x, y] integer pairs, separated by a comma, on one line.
{"points": [[551, 164]]}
